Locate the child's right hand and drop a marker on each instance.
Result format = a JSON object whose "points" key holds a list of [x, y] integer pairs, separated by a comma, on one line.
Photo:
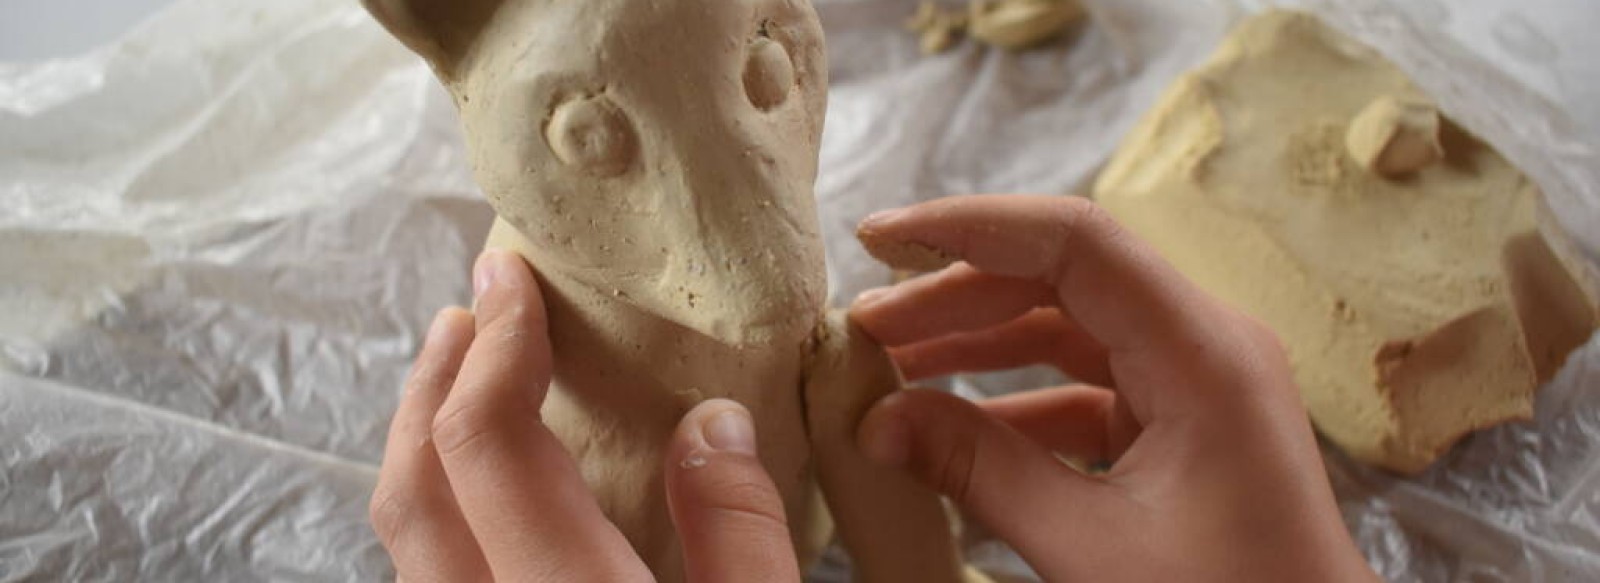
{"points": [[1215, 473]]}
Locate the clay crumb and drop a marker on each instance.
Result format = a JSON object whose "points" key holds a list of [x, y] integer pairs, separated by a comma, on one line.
{"points": [[937, 29], [695, 460], [1020, 24], [1395, 136]]}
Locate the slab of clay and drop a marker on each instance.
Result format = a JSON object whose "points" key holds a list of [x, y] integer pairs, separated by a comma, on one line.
{"points": [[1384, 275]]}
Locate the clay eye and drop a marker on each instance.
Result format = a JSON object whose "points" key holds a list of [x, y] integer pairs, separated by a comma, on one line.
{"points": [[589, 133], [768, 73]]}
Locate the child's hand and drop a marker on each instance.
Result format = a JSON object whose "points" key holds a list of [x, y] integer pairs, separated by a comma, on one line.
{"points": [[474, 487], [1215, 474]]}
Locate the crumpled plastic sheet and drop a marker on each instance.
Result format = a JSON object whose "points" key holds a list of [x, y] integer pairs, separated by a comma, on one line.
{"points": [[222, 237]]}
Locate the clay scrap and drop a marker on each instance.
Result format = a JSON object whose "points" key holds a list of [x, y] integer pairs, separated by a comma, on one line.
{"points": [[1008, 24], [1303, 178]]}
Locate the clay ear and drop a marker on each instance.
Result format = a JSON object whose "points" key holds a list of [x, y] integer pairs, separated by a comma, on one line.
{"points": [[441, 31]]}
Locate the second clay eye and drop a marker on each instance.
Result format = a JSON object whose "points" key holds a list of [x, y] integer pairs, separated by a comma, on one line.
{"points": [[768, 73], [589, 132]]}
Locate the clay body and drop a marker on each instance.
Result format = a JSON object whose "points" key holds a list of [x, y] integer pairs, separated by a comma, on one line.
{"points": [[1304, 179], [654, 162]]}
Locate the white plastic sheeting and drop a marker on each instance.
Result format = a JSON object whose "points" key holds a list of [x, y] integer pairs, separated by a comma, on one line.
{"points": [[221, 239]]}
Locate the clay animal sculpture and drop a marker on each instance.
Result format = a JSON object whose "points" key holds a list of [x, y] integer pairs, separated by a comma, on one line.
{"points": [[654, 162]]}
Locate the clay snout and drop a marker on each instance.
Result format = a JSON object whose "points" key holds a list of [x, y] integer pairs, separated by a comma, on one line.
{"points": [[748, 268]]}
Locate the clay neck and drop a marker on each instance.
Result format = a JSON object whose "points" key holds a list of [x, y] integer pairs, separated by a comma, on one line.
{"points": [[609, 349]]}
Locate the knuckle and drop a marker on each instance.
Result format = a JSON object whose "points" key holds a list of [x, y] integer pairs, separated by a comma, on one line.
{"points": [[745, 494], [756, 502], [518, 318], [390, 511], [1263, 337], [1080, 221], [428, 377], [1253, 334], [516, 342], [459, 429], [1080, 213], [953, 472]]}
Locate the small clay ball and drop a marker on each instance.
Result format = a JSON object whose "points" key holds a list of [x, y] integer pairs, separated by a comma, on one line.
{"points": [[768, 74], [1395, 136], [591, 134]]}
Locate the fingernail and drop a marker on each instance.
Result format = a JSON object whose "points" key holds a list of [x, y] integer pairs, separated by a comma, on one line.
{"points": [[871, 296], [486, 271], [888, 442], [436, 331], [881, 217], [432, 340], [730, 431]]}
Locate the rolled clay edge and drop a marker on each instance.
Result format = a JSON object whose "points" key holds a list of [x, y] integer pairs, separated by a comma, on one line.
{"points": [[894, 528]]}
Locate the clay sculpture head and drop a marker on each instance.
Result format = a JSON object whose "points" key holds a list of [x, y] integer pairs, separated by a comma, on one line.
{"points": [[661, 152]]}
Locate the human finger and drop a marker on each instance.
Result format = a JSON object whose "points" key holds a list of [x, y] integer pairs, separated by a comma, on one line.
{"points": [[1078, 421], [728, 513], [958, 298], [1160, 331], [995, 474], [520, 492], [1117, 287], [1043, 336], [412, 509]]}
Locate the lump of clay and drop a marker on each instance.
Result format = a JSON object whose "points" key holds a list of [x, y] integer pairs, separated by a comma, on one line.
{"points": [[937, 29], [1008, 24], [1019, 24], [1394, 136], [1414, 310]]}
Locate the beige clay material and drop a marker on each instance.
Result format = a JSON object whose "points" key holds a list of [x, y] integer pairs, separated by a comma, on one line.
{"points": [[659, 177], [937, 29], [1008, 24], [1415, 308], [1019, 24], [1395, 136], [904, 255]]}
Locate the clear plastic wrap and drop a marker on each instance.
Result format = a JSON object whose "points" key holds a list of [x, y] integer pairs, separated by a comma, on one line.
{"points": [[222, 236]]}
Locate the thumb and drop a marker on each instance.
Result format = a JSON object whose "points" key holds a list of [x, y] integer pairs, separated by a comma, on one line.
{"points": [[728, 513], [1016, 488]]}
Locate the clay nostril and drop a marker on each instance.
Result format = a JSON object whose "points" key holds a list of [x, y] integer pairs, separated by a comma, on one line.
{"points": [[590, 133], [768, 73]]}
